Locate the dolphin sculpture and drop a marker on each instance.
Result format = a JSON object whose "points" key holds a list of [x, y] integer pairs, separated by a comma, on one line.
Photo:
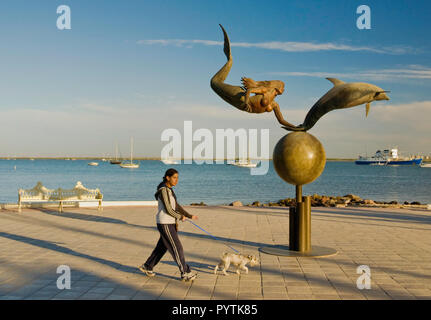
{"points": [[342, 95], [239, 97]]}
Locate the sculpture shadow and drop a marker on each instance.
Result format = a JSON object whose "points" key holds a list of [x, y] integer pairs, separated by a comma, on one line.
{"points": [[378, 215], [257, 212], [385, 215]]}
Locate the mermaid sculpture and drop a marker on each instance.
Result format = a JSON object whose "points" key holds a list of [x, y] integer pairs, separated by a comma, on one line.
{"points": [[239, 97]]}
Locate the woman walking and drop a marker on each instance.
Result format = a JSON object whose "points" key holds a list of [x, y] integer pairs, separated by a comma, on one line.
{"points": [[169, 211]]}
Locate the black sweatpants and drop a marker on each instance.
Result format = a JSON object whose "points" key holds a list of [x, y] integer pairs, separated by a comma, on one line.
{"points": [[168, 241]]}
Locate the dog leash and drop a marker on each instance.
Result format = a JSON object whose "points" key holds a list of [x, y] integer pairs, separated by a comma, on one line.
{"points": [[212, 235]]}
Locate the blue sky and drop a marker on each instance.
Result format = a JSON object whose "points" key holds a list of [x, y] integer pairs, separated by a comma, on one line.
{"points": [[76, 92]]}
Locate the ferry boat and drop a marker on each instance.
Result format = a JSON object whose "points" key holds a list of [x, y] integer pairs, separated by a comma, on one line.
{"points": [[388, 157]]}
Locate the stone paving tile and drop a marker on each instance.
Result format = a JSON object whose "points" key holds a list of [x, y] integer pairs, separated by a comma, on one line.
{"points": [[119, 297], [224, 296], [105, 284], [67, 295], [104, 255], [326, 297], [92, 296], [144, 296], [300, 297], [10, 297], [250, 297], [104, 290]]}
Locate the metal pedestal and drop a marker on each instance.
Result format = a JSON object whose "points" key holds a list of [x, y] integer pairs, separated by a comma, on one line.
{"points": [[299, 233]]}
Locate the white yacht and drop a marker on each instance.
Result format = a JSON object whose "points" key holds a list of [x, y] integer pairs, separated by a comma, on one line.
{"points": [[245, 163], [170, 161], [130, 165]]}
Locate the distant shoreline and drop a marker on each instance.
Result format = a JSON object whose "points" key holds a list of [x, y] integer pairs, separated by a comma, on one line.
{"points": [[152, 158], [125, 159]]}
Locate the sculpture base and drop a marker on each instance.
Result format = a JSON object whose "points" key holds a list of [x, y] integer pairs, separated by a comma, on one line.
{"points": [[315, 252]]}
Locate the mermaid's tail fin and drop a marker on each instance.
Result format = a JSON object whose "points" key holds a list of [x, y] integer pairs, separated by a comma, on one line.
{"points": [[233, 95], [294, 128], [217, 81], [226, 48]]}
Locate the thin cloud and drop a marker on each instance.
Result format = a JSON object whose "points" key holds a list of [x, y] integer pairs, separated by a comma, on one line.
{"points": [[409, 72], [288, 46], [344, 133]]}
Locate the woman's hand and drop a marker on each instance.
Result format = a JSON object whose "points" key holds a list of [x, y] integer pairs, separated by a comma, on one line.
{"points": [[183, 218]]}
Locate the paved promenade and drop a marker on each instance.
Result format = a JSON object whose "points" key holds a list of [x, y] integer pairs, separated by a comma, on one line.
{"points": [[103, 251]]}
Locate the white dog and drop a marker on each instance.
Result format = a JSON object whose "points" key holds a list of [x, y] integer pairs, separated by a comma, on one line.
{"points": [[237, 260]]}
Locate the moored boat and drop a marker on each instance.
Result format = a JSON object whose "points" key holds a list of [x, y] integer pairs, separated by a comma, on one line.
{"points": [[116, 160], [130, 165], [170, 161], [245, 164], [388, 157]]}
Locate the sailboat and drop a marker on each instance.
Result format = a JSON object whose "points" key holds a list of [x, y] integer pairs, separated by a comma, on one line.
{"points": [[247, 163], [116, 161], [130, 165]]}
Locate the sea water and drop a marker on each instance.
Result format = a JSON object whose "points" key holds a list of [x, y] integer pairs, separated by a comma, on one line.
{"points": [[214, 183]]}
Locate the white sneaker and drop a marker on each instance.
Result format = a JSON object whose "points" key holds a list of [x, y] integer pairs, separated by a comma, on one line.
{"points": [[146, 271], [190, 276]]}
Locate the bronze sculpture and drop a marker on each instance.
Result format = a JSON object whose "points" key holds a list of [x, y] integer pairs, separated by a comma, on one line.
{"points": [[299, 158], [239, 97], [342, 95]]}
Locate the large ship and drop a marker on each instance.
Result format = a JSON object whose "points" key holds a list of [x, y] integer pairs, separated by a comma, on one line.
{"points": [[388, 157]]}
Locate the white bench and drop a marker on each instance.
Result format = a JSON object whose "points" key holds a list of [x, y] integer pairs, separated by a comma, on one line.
{"points": [[42, 194]]}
